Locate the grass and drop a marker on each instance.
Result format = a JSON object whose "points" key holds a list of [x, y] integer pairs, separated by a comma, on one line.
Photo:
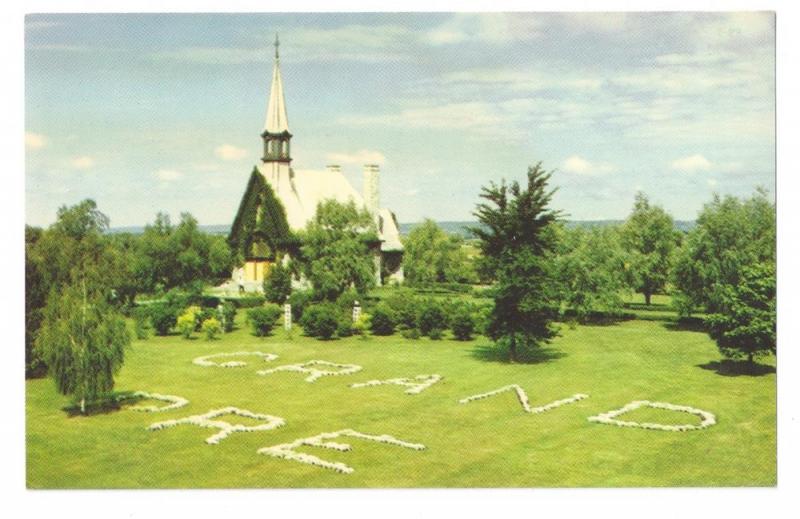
{"points": [[486, 443]]}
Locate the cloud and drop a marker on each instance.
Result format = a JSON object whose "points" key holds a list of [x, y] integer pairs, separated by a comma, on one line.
{"points": [[360, 43], [692, 163], [230, 152], [39, 24], [491, 28], [581, 166], [167, 175], [35, 141], [83, 162], [359, 157]]}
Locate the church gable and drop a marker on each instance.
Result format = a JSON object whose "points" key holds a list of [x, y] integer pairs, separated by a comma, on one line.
{"points": [[260, 229]]}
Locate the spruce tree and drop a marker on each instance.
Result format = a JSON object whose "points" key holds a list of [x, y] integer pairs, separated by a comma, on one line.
{"points": [[517, 240]]}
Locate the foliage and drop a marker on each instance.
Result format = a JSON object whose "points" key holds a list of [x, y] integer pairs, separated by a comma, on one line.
{"points": [[462, 323], [187, 322], [382, 320], [410, 333], [745, 322], [590, 266], [403, 304], [201, 316], [228, 316], [320, 320], [436, 334], [211, 327], [431, 315], [517, 241], [344, 327], [649, 237], [432, 256], [263, 318], [83, 341], [141, 323], [170, 256], [73, 249], [336, 250], [361, 325], [163, 316], [250, 301], [278, 284], [730, 234], [300, 300], [260, 227]]}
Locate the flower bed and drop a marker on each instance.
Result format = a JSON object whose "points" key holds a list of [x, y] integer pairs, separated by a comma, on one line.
{"points": [[416, 385], [314, 374], [206, 420], [203, 361], [287, 450], [175, 402], [523, 399], [707, 419]]}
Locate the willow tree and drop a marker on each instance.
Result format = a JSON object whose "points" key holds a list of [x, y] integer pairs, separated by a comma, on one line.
{"points": [[82, 340], [517, 241]]}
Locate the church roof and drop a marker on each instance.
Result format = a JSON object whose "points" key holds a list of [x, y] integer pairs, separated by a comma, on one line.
{"points": [[302, 190], [277, 121]]}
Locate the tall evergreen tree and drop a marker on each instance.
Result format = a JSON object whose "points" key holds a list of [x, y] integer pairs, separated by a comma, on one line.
{"points": [[517, 241]]}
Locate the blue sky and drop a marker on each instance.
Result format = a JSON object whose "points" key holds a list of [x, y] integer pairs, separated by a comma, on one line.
{"points": [[163, 112]]}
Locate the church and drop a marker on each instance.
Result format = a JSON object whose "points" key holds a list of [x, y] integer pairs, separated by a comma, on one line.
{"points": [[280, 200]]}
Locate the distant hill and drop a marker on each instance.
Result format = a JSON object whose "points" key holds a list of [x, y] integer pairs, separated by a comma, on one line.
{"points": [[462, 227], [449, 227]]}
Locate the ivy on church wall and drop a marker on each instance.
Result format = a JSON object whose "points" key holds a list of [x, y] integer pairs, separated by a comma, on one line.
{"points": [[260, 228]]}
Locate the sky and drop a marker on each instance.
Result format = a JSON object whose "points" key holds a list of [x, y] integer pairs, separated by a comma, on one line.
{"points": [[162, 112]]}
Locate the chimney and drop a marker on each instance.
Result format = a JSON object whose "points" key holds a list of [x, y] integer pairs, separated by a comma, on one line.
{"points": [[371, 193], [333, 168]]}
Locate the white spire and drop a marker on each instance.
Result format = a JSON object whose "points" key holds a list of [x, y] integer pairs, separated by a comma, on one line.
{"points": [[276, 122]]}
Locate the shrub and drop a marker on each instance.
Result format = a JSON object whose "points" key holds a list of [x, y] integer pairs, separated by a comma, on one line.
{"points": [[361, 325], [278, 284], [345, 327], [228, 316], [382, 320], [410, 333], [253, 301], [141, 323], [320, 320], [403, 305], [300, 299], [262, 319], [430, 316], [202, 316], [163, 317], [462, 323], [482, 317], [211, 328], [436, 334], [186, 324]]}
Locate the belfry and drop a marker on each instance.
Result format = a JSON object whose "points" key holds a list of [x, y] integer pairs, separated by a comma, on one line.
{"points": [[279, 200]]}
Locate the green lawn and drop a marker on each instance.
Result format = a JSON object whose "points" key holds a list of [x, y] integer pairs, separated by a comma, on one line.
{"points": [[486, 443]]}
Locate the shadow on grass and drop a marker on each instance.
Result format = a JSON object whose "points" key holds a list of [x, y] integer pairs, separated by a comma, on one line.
{"points": [[738, 368], [686, 324], [492, 353], [107, 405]]}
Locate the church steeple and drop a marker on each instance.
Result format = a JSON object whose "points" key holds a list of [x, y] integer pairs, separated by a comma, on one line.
{"points": [[276, 134]]}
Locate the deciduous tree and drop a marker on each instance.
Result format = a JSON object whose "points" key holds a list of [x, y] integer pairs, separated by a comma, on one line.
{"points": [[83, 341], [649, 239]]}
